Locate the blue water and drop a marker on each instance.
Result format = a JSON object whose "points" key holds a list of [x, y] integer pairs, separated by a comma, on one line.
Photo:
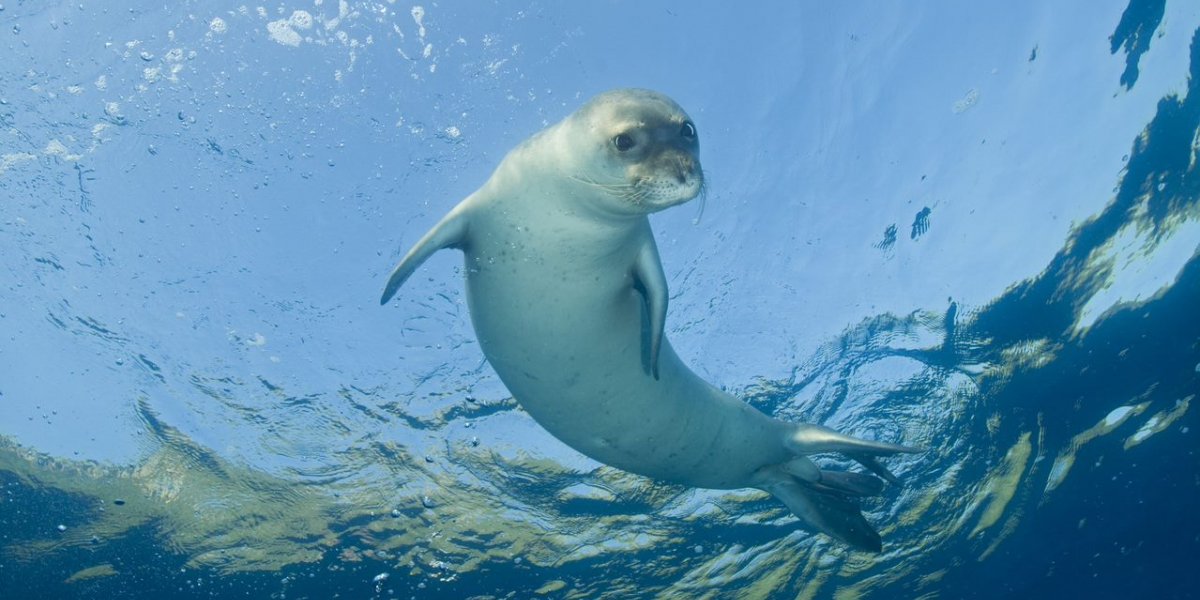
{"points": [[974, 228]]}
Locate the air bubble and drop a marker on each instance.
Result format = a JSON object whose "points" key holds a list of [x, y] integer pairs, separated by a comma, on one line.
{"points": [[113, 110]]}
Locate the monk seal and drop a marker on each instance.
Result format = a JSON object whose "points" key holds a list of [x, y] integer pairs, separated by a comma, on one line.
{"points": [[569, 301]]}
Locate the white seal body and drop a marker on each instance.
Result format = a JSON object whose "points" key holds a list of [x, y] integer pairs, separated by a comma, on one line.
{"points": [[568, 300]]}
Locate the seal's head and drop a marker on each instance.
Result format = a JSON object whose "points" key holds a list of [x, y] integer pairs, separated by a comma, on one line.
{"points": [[642, 151]]}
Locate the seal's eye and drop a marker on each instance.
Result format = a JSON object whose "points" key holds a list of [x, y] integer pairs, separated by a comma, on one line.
{"points": [[688, 130], [624, 142]]}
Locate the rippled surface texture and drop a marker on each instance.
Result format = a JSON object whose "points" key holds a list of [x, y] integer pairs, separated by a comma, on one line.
{"points": [[967, 226]]}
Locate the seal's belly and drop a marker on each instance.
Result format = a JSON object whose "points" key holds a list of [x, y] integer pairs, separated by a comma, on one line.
{"points": [[570, 349]]}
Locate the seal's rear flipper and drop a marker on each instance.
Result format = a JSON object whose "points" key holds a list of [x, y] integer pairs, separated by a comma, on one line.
{"points": [[823, 499], [849, 483], [807, 439], [450, 232], [874, 466], [830, 513]]}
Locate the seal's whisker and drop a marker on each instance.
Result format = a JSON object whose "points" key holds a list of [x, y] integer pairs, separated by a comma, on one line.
{"points": [[637, 195], [615, 188], [703, 195], [596, 182]]}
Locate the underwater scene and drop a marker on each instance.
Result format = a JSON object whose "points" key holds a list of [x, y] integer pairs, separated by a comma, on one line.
{"points": [[970, 230]]}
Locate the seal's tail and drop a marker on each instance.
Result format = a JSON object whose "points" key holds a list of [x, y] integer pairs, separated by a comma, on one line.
{"points": [[825, 500]]}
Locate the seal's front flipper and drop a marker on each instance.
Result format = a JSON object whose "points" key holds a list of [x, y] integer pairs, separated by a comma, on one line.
{"points": [[450, 232], [652, 283], [830, 513]]}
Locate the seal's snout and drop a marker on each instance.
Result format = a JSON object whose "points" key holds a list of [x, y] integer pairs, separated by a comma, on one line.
{"points": [[678, 166], [685, 168]]}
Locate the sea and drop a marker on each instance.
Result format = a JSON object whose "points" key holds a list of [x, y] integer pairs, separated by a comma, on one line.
{"points": [[969, 227]]}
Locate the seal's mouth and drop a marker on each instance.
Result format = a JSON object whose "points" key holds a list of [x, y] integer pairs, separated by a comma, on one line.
{"points": [[668, 178], [649, 188], [658, 193]]}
